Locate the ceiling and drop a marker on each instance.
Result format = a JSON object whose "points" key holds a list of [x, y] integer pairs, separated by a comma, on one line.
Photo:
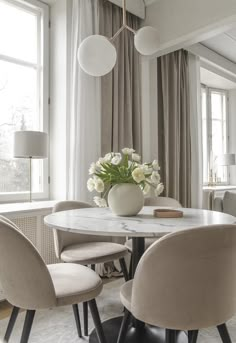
{"points": [[223, 44], [149, 2], [136, 7]]}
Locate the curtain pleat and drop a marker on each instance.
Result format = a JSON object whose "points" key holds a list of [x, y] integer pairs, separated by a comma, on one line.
{"points": [[121, 99], [174, 145], [84, 120]]}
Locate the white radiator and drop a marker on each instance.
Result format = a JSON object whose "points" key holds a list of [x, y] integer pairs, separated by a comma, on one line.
{"points": [[31, 223]]}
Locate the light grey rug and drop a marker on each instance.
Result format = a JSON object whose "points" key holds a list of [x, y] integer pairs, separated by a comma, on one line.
{"points": [[58, 325]]}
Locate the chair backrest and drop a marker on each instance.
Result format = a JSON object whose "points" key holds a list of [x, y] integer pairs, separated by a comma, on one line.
{"points": [[187, 280], [63, 239], [229, 203], [5, 219], [161, 201], [25, 279]]}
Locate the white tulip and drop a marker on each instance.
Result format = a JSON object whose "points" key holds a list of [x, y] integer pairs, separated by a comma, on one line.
{"points": [[98, 185], [128, 151], [146, 169], [136, 157], [146, 189], [116, 159], [138, 175], [159, 189], [90, 184], [101, 161], [155, 165], [155, 177], [100, 202], [92, 168], [108, 157]]}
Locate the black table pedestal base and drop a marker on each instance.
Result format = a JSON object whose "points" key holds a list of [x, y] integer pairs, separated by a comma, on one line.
{"points": [[148, 334]]}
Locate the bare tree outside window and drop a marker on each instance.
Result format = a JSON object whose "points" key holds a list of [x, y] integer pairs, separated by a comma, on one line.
{"points": [[20, 102]]}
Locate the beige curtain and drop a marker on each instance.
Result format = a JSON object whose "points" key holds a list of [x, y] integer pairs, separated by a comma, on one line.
{"points": [[121, 99], [174, 147]]}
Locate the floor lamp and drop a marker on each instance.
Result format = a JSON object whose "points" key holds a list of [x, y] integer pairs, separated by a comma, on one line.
{"points": [[30, 144]]}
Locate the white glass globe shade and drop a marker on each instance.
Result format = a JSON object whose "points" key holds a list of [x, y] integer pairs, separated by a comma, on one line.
{"points": [[146, 40], [97, 55]]}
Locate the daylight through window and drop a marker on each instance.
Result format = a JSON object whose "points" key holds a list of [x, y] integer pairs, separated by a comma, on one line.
{"points": [[22, 93], [214, 134]]}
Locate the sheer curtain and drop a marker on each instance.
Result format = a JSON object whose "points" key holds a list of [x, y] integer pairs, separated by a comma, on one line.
{"points": [[174, 138], [84, 125]]}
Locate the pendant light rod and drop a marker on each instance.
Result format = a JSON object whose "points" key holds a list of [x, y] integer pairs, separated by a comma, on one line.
{"points": [[124, 13], [124, 26]]}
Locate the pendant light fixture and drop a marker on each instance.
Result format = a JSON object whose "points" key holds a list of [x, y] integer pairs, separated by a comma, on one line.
{"points": [[97, 54]]}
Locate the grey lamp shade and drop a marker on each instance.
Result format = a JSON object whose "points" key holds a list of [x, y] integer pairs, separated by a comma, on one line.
{"points": [[30, 144], [226, 160]]}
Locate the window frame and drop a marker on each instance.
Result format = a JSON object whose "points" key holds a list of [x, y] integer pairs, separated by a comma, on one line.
{"points": [[42, 67], [209, 130]]}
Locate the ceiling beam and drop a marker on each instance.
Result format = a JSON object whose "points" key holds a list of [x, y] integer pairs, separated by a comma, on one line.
{"points": [[214, 61]]}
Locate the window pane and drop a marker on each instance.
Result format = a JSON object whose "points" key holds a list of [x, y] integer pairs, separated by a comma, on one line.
{"points": [[219, 145], [18, 33], [204, 136], [18, 108], [214, 134]]}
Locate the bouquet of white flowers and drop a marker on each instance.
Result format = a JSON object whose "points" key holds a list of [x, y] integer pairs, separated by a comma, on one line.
{"points": [[125, 167]]}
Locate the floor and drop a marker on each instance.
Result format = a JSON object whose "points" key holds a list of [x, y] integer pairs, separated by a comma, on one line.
{"points": [[57, 325]]}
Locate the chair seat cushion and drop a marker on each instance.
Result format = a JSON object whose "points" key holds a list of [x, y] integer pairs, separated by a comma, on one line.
{"points": [[74, 283], [126, 293], [148, 243], [93, 252]]}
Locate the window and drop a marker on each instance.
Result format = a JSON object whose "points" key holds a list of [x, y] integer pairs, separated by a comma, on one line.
{"points": [[214, 134], [23, 93]]}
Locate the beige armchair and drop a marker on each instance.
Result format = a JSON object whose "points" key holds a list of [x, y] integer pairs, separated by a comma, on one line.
{"points": [[86, 249], [227, 204], [185, 281], [31, 285]]}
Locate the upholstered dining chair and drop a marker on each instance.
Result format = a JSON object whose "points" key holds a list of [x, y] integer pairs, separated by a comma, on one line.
{"points": [[157, 201], [86, 249], [31, 285], [185, 281]]}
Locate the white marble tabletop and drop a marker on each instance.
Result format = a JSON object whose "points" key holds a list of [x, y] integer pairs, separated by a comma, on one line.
{"points": [[101, 221]]}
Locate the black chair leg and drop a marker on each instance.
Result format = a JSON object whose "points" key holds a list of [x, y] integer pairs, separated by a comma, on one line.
{"points": [[124, 326], [192, 336], [97, 321], [224, 334], [124, 268], [77, 319], [170, 336], [29, 317], [85, 310], [11, 323], [130, 267]]}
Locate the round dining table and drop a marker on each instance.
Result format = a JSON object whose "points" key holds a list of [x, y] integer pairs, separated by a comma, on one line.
{"points": [[101, 221]]}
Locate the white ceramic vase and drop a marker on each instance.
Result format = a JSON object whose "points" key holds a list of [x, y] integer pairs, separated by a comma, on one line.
{"points": [[125, 199]]}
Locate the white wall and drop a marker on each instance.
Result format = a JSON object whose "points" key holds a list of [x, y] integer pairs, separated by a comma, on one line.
{"points": [[232, 132], [58, 107], [185, 22]]}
